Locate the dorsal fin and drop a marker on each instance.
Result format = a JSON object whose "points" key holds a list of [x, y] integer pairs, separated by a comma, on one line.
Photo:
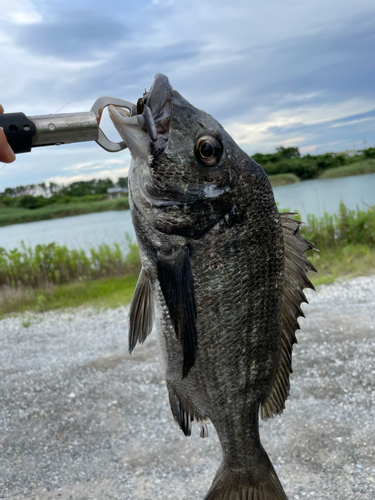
{"points": [[141, 313], [296, 268]]}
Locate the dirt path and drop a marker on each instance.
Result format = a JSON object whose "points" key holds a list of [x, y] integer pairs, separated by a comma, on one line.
{"points": [[81, 419]]}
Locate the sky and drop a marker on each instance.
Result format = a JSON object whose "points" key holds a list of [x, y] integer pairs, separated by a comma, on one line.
{"points": [[291, 73]]}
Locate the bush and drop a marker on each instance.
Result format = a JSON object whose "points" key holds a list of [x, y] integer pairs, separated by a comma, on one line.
{"points": [[6, 201], [358, 168], [369, 153], [348, 227], [288, 160], [32, 202], [53, 264], [330, 160], [283, 179], [304, 168]]}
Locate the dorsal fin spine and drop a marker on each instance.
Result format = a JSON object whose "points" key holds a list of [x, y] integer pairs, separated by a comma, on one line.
{"points": [[297, 266]]}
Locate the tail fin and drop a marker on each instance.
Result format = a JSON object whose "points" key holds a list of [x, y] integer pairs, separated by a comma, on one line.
{"points": [[237, 485]]}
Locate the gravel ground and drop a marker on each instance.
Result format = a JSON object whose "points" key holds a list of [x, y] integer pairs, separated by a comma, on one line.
{"points": [[81, 419]]}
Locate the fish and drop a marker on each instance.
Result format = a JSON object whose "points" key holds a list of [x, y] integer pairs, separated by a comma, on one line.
{"points": [[222, 278]]}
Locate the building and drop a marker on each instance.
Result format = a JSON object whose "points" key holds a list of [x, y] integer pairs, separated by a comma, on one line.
{"points": [[116, 192]]}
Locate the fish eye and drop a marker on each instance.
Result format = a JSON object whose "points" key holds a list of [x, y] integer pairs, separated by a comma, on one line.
{"points": [[208, 150]]}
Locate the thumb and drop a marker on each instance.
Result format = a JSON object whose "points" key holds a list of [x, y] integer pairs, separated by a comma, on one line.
{"points": [[6, 152]]}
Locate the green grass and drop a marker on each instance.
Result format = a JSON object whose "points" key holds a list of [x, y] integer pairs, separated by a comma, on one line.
{"points": [[348, 227], [332, 264], [346, 241], [342, 263], [17, 215], [103, 293], [55, 265], [358, 168], [283, 179], [50, 277]]}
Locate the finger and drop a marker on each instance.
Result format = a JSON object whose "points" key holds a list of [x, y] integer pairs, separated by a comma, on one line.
{"points": [[6, 152], [1, 110]]}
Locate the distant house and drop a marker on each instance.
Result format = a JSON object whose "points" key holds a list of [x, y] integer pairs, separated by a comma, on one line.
{"points": [[116, 192], [352, 152]]}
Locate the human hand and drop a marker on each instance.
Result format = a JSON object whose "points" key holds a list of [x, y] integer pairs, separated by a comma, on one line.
{"points": [[6, 152]]}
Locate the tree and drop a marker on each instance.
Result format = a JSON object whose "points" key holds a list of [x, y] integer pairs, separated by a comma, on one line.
{"points": [[369, 153], [288, 152], [54, 188], [122, 182]]}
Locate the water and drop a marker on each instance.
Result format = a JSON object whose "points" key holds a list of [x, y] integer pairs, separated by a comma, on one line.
{"points": [[80, 231], [91, 230], [319, 196]]}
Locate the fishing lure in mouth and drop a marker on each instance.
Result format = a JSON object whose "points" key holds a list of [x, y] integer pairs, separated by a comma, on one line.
{"points": [[27, 132]]}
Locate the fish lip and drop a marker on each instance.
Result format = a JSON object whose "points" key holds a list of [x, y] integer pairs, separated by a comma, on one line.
{"points": [[141, 131], [159, 95]]}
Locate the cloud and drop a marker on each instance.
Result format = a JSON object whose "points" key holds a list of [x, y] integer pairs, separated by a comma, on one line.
{"points": [[113, 174], [72, 35], [352, 122], [286, 119], [94, 165], [309, 149], [274, 73], [19, 12]]}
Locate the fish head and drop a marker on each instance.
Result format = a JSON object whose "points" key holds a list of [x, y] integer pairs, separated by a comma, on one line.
{"points": [[184, 173]]}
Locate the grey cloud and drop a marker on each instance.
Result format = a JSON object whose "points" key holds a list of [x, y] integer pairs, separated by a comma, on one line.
{"points": [[335, 64], [74, 35], [328, 138], [340, 59], [129, 71]]}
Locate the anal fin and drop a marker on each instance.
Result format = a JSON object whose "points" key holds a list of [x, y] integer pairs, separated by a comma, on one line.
{"points": [[141, 313], [184, 413]]}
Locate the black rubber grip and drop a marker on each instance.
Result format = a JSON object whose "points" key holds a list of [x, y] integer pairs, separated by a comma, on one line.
{"points": [[19, 130]]}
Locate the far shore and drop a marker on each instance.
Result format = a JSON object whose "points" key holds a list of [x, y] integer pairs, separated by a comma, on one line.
{"points": [[17, 215]]}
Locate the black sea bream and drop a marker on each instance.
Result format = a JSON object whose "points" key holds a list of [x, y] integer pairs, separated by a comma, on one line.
{"points": [[222, 275]]}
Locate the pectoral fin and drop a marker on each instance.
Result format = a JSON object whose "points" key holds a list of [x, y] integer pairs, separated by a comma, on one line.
{"points": [[296, 268], [176, 282], [141, 314]]}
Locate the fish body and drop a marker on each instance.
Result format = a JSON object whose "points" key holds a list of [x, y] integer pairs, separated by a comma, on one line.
{"points": [[222, 276]]}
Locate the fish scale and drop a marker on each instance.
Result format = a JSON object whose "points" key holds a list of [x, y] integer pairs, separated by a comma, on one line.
{"points": [[223, 273]]}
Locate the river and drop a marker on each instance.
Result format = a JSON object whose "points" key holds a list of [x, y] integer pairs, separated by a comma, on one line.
{"points": [[91, 230], [319, 196]]}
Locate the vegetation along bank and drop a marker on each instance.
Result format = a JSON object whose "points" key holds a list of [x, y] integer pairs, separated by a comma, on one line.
{"points": [[40, 201], [290, 161], [50, 276]]}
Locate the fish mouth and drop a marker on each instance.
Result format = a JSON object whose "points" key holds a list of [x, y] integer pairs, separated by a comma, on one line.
{"points": [[158, 202], [146, 130]]}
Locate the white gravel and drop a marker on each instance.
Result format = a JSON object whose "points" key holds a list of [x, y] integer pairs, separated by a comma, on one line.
{"points": [[81, 419]]}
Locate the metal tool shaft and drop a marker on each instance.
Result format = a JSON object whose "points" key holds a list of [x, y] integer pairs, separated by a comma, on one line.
{"points": [[66, 128], [24, 133]]}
